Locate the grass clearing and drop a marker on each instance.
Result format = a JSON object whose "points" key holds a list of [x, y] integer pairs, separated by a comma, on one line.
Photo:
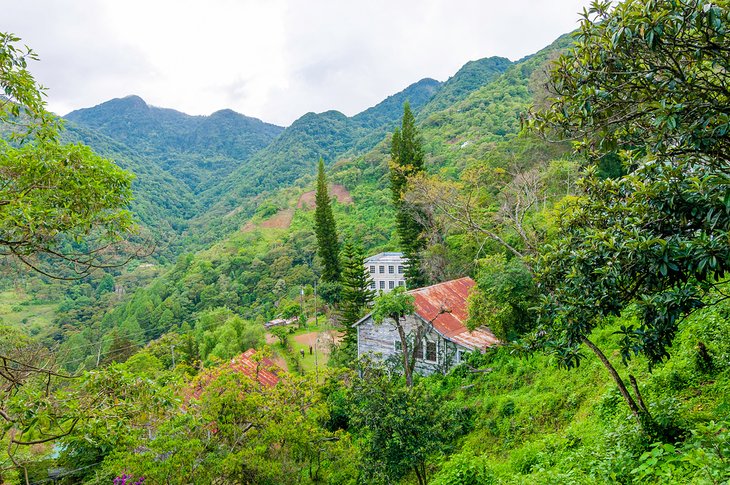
{"points": [[18, 310]]}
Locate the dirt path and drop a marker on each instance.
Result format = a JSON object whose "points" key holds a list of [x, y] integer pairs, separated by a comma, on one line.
{"points": [[280, 220], [338, 192], [326, 339]]}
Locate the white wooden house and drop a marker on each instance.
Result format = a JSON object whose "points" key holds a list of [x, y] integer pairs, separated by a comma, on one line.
{"points": [[441, 311]]}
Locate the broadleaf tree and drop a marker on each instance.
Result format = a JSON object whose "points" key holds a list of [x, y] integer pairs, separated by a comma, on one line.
{"points": [[62, 208], [62, 213], [392, 308], [647, 81]]}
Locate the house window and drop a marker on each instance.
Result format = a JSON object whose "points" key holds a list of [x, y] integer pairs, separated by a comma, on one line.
{"points": [[372, 285], [382, 285], [372, 268], [382, 269], [430, 351], [391, 269], [397, 346], [418, 351], [391, 285], [400, 269], [459, 356], [401, 283]]}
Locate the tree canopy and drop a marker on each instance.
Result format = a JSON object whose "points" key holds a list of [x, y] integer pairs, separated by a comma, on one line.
{"points": [[646, 81], [407, 160], [57, 201], [328, 246]]}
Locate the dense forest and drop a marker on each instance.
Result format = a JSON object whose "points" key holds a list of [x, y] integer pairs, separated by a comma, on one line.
{"points": [[179, 293]]}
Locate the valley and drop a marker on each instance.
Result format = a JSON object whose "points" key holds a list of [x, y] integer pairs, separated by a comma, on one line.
{"points": [[198, 322]]}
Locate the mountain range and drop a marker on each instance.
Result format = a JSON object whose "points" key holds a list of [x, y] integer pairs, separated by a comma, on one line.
{"points": [[211, 172]]}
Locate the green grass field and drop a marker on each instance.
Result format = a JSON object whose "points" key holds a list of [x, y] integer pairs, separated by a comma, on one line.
{"points": [[300, 340], [16, 310]]}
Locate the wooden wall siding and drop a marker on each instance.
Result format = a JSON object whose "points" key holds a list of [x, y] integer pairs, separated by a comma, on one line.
{"points": [[379, 341]]}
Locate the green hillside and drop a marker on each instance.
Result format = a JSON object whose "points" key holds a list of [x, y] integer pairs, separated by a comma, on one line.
{"points": [[294, 154], [590, 206], [191, 148]]}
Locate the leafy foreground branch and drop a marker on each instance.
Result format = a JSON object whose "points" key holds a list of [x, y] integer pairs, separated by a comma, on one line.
{"points": [[646, 83]]}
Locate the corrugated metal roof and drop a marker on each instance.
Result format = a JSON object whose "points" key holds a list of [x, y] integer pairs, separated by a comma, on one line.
{"points": [[445, 305], [266, 373], [244, 363]]}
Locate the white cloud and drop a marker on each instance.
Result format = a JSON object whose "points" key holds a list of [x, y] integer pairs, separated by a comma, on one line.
{"points": [[273, 59]]}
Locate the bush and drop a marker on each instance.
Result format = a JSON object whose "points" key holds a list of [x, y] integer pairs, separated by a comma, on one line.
{"points": [[465, 469]]}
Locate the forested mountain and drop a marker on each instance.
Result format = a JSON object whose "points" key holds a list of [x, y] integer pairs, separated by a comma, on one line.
{"points": [[295, 152], [600, 263], [162, 201], [472, 76], [481, 125], [192, 148]]}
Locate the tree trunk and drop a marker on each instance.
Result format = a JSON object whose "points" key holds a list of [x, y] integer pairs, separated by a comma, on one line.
{"points": [[635, 386], [635, 410], [404, 349], [421, 478]]}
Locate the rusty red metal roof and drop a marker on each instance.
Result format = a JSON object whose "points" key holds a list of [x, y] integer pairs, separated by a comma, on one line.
{"points": [[445, 305], [265, 371]]}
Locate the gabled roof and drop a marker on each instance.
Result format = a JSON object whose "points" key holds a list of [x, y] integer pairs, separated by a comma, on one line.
{"points": [[445, 305], [245, 364]]}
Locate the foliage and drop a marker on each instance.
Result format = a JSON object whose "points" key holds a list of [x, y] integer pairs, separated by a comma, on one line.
{"points": [[407, 159], [58, 201], [638, 81], [402, 428], [239, 431], [328, 246], [356, 293], [506, 298], [395, 306]]}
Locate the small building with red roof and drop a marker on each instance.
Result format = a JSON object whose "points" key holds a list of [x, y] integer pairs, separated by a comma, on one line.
{"points": [[260, 369], [440, 316]]}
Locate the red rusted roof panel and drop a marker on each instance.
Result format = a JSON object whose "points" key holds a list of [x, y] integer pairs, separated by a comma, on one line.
{"points": [[244, 363], [446, 306]]}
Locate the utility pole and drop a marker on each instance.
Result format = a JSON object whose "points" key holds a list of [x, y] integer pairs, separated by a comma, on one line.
{"points": [[302, 315], [316, 363], [315, 303], [98, 354]]}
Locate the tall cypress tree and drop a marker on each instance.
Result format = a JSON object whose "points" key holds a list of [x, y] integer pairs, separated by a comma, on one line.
{"points": [[356, 292], [326, 230], [406, 160]]}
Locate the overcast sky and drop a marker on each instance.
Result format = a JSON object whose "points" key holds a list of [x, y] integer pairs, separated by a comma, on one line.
{"points": [[272, 59]]}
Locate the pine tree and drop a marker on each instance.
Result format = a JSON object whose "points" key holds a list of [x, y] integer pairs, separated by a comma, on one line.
{"points": [[407, 160], [326, 230], [356, 293]]}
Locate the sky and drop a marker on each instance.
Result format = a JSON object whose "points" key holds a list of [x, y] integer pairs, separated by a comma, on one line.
{"points": [[272, 59]]}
